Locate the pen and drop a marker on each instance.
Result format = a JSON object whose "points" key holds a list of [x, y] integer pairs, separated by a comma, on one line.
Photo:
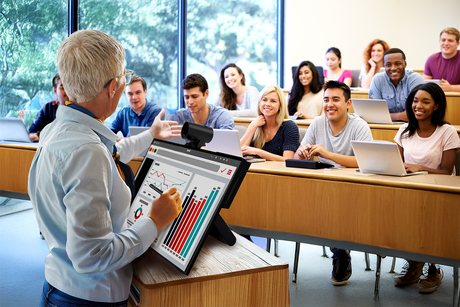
{"points": [[156, 189]]}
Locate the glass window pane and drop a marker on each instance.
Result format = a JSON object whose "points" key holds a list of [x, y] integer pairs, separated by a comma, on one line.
{"points": [[148, 32], [30, 34], [243, 32]]}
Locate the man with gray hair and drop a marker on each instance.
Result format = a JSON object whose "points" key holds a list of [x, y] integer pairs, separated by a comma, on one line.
{"points": [[79, 196]]}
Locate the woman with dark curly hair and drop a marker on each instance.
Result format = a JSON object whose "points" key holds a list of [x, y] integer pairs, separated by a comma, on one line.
{"points": [[373, 61], [237, 97]]}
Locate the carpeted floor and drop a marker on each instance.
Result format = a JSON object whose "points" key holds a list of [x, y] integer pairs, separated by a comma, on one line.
{"points": [[22, 254]]}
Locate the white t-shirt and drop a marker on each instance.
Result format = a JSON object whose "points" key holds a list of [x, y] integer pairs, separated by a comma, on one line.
{"points": [[428, 151]]}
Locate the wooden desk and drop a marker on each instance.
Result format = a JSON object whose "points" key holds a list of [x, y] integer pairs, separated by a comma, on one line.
{"points": [[413, 217], [239, 275], [379, 131], [452, 99], [15, 163]]}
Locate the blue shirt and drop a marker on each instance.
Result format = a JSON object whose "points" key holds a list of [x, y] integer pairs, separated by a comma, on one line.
{"points": [[218, 118], [81, 205], [46, 115], [383, 88], [286, 138], [127, 117]]}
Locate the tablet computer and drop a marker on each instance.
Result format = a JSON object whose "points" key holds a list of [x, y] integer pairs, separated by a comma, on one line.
{"points": [[207, 181]]}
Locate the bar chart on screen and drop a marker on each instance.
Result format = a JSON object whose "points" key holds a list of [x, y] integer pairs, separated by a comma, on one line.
{"points": [[199, 205]]}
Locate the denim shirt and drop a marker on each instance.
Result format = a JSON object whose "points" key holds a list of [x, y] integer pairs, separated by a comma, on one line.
{"points": [[383, 88], [81, 205]]}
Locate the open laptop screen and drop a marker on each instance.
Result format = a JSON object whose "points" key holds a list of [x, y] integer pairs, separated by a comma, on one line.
{"points": [[206, 181]]}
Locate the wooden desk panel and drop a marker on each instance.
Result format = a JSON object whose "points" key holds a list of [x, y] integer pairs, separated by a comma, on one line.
{"points": [[15, 163], [239, 275], [416, 214]]}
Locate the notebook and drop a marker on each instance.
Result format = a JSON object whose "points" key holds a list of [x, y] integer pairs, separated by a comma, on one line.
{"points": [[381, 158], [13, 130], [373, 111], [134, 130], [228, 141]]}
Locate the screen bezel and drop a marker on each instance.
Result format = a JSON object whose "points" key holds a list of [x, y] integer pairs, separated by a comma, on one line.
{"points": [[225, 201]]}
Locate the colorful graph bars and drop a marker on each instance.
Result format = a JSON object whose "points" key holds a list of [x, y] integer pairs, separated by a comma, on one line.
{"points": [[185, 228]]}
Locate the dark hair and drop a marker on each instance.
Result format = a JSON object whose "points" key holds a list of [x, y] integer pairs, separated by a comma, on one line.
{"points": [[337, 52], [395, 50], [55, 80], [341, 85], [297, 90], [438, 115], [227, 95], [194, 80], [138, 79]]}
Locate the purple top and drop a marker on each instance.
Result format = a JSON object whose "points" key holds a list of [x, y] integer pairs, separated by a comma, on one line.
{"points": [[345, 74], [440, 68]]}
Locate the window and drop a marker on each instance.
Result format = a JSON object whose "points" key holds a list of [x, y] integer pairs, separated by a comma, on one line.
{"points": [[30, 34], [148, 32], [243, 32]]}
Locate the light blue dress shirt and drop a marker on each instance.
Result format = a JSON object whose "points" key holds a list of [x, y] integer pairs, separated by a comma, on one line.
{"points": [[218, 118], [81, 205], [383, 88]]}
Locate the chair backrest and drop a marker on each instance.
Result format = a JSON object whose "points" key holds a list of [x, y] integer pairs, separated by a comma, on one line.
{"points": [[302, 132], [241, 130], [355, 77], [320, 72]]}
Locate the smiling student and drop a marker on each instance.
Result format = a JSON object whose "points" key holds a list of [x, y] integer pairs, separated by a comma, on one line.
{"points": [[306, 96], [373, 61], [445, 65], [395, 84], [426, 143], [139, 113], [329, 138], [198, 111], [271, 135], [237, 97], [334, 69]]}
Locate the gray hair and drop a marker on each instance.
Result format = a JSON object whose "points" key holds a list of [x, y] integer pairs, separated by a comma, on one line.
{"points": [[86, 61]]}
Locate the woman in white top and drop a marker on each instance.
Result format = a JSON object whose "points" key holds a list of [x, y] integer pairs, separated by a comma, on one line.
{"points": [[306, 96], [237, 97], [427, 143], [373, 61]]}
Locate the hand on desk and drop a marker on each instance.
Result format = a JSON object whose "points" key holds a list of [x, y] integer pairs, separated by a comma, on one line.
{"points": [[308, 151], [34, 137], [248, 150], [412, 168], [166, 208]]}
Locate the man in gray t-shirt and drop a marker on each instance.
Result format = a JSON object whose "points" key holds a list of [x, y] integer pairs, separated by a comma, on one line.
{"points": [[329, 138]]}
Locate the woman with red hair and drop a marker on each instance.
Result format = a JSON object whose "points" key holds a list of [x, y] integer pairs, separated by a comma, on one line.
{"points": [[373, 61]]}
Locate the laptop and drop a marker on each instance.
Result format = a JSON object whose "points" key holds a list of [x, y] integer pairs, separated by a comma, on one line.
{"points": [[228, 141], [373, 111], [380, 157], [13, 131], [134, 130]]}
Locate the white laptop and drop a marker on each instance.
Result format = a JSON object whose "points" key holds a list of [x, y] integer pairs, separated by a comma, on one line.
{"points": [[134, 130], [13, 131], [228, 141], [373, 111], [380, 157]]}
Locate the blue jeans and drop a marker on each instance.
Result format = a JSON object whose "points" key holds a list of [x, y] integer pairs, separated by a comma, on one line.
{"points": [[52, 297]]}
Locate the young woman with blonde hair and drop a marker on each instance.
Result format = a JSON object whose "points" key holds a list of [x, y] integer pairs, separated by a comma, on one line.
{"points": [[271, 135]]}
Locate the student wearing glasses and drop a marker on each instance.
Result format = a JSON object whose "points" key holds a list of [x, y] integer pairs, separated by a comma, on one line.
{"points": [[140, 112], [80, 198], [271, 135], [427, 143]]}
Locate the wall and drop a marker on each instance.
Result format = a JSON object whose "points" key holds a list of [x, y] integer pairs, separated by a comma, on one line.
{"points": [[311, 27]]}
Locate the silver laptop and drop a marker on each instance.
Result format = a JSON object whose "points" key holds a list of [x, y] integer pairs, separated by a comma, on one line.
{"points": [[380, 157], [13, 131], [373, 111], [134, 130], [228, 141]]}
